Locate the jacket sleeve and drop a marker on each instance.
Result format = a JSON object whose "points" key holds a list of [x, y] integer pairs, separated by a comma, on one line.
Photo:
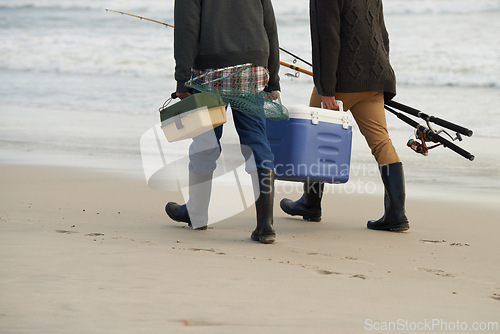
{"points": [[273, 63], [187, 15], [385, 34], [325, 39]]}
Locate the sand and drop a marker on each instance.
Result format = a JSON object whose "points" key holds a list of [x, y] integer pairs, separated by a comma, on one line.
{"points": [[91, 251]]}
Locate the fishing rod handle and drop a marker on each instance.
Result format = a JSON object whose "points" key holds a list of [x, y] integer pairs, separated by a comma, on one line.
{"points": [[425, 117], [403, 117], [405, 108], [451, 126], [435, 137], [296, 68]]}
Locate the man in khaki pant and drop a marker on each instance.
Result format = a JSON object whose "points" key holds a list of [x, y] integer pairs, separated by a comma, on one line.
{"points": [[351, 63]]}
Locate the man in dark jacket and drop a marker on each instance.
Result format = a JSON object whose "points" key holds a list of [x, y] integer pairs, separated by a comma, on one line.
{"points": [[216, 34], [351, 63]]}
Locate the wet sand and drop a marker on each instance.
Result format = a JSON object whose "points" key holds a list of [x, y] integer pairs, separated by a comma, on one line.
{"points": [[86, 251]]}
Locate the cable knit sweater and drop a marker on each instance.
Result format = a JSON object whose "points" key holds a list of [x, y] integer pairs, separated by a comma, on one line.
{"points": [[350, 47], [220, 33]]}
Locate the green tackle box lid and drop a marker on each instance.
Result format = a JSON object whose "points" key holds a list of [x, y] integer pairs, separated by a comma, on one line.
{"points": [[188, 105]]}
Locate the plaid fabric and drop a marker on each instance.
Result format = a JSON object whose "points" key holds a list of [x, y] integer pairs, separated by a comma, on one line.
{"points": [[233, 81]]}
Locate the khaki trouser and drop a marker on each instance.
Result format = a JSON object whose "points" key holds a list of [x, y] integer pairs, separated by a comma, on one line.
{"points": [[368, 111]]}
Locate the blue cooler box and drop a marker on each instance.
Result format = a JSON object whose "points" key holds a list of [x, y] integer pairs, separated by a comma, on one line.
{"points": [[313, 145]]}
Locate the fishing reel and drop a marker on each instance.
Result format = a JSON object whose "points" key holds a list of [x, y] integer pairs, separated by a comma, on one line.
{"points": [[423, 135], [419, 144], [418, 147], [293, 75], [297, 69]]}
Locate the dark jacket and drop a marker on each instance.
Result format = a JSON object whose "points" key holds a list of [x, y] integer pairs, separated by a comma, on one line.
{"points": [[221, 33], [350, 47]]}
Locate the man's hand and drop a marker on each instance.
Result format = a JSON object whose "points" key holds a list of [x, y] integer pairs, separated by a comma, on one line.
{"points": [[182, 96], [329, 102]]}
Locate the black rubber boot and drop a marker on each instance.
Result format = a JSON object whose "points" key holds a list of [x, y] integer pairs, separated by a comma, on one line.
{"points": [[394, 218], [264, 231], [195, 211], [309, 205], [177, 212]]}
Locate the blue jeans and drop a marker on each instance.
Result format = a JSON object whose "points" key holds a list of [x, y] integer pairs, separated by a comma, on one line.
{"points": [[205, 148]]}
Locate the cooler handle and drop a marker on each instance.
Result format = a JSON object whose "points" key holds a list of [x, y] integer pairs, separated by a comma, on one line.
{"points": [[339, 102], [315, 115], [341, 105]]}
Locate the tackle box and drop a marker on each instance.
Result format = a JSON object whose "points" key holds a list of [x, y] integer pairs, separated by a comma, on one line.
{"points": [[192, 116], [313, 145]]}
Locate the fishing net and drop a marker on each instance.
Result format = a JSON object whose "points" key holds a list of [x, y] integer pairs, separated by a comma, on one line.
{"points": [[242, 87]]}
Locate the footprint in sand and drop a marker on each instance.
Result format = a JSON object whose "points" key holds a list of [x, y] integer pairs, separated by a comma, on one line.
{"points": [[210, 250], [496, 296], [327, 272], [459, 244], [358, 276], [427, 241], [437, 272], [197, 323], [66, 232]]}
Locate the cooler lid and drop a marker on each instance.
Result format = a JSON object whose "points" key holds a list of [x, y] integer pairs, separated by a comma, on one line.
{"points": [[316, 115]]}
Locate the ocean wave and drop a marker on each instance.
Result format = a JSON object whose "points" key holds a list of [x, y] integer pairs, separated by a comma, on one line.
{"points": [[446, 80], [121, 68], [392, 7], [301, 7], [48, 5], [435, 50], [148, 6], [281, 7]]}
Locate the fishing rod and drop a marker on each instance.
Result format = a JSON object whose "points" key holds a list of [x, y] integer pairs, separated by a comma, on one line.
{"points": [[428, 118], [423, 134], [298, 69], [140, 17], [296, 57]]}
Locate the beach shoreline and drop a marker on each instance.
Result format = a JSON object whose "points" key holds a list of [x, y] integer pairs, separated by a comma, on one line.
{"points": [[86, 251]]}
